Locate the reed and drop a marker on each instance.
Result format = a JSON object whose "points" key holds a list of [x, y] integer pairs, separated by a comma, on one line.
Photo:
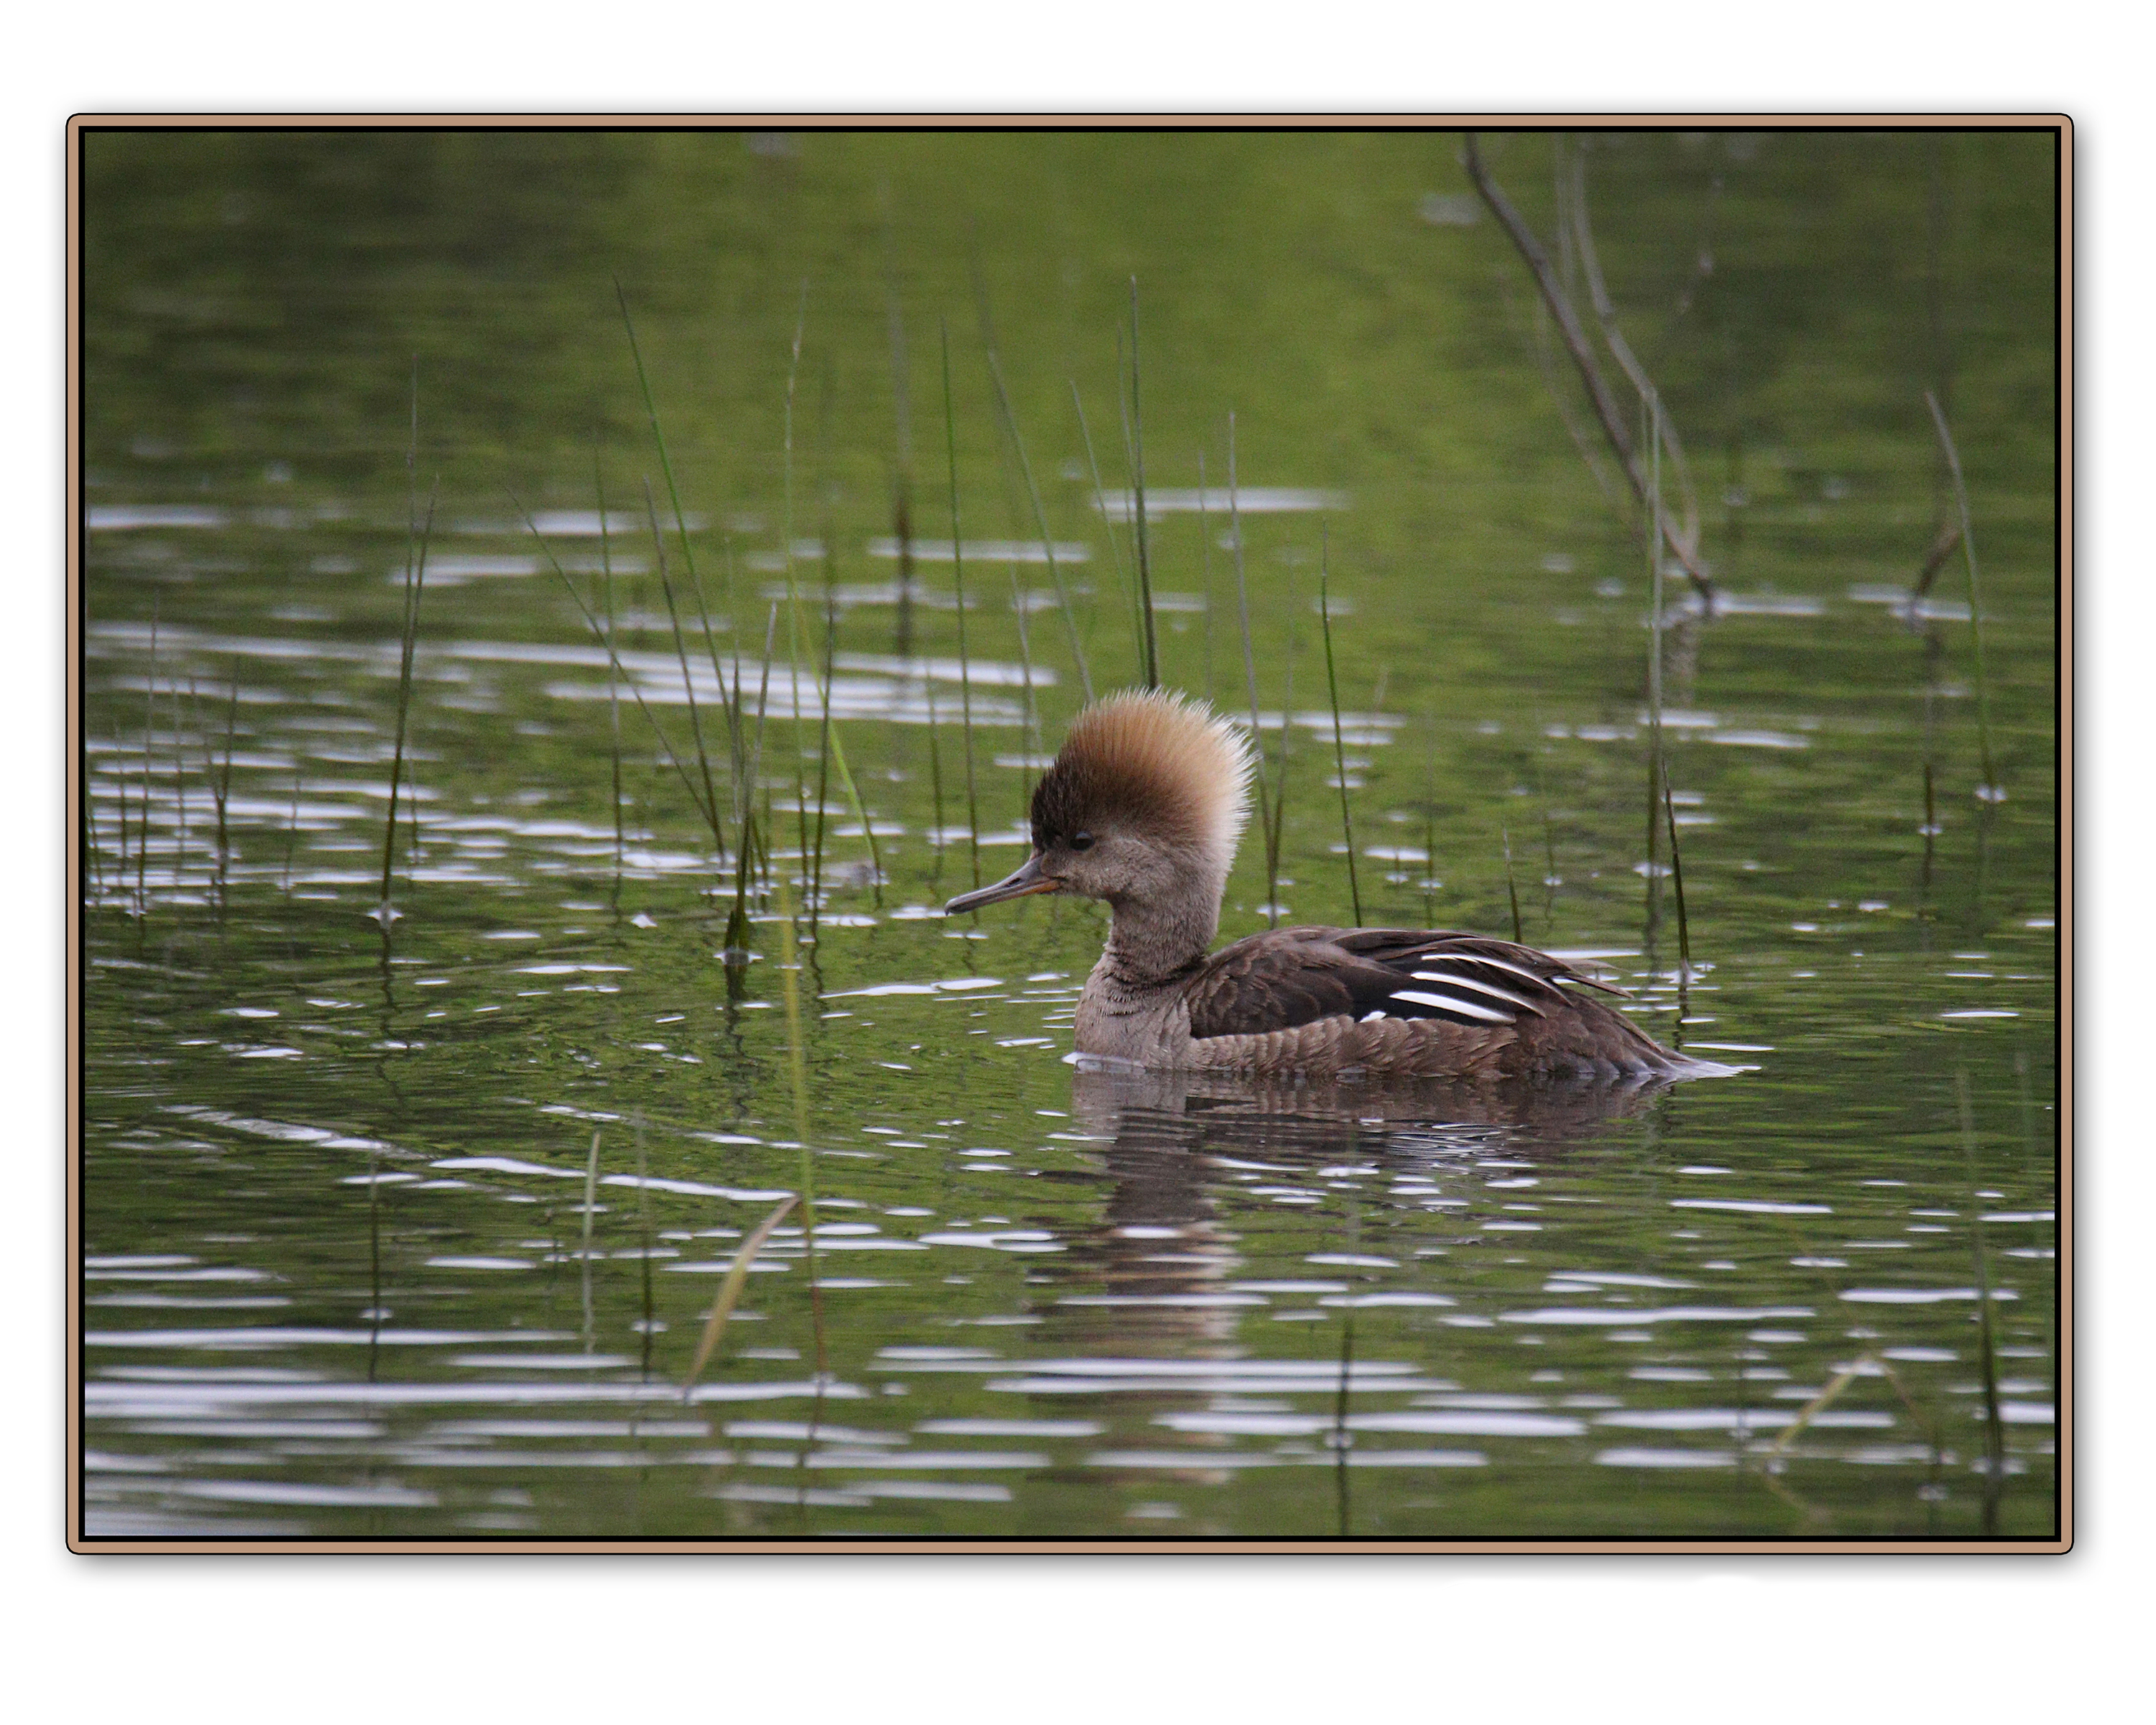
{"points": [[735, 941], [1429, 820], [1265, 820], [934, 767], [415, 581], [183, 721], [613, 681], [149, 741], [730, 1289], [1277, 830], [643, 1229], [789, 972], [823, 747], [1676, 885], [1511, 886], [1107, 526], [600, 634], [1148, 641], [1205, 571], [658, 434], [584, 1253], [958, 581], [1339, 745], [710, 799], [1994, 1430], [291, 831], [221, 796], [796, 645], [1657, 778], [1598, 391], [1993, 790], [1040, 522]]}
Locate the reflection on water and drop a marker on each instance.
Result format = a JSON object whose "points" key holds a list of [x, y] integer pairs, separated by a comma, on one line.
{"points": [[412, 1231]]}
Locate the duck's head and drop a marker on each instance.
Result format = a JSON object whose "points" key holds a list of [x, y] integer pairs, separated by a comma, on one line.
{"points": [[1144, 807]]}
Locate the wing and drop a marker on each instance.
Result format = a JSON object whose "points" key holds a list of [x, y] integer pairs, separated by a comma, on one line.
{"points": [[1289, 977]]}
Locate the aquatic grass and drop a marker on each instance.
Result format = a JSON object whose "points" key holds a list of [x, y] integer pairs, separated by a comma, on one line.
{"points": [[1599, 394], [730, 1289], [647, 1329], [1676, 885], [824, 748], [614, 680], [1205, 571], [958, 581], [1657, 767], [292, 830], [1994, 1430], [415, 581], [657, 439], [789, 970], [584, 1254], [1511, 887], [220, 782], [1039, 517], [1107, 526], [1339, 746], [1991, 791], [735, 943], [710, 800], [1268, 825], [604, 636], [1134, 432], [149, 744], [1429, 820]]}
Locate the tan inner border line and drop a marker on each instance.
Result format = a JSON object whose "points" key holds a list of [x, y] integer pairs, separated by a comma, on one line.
{"points": [[80, 1542]]}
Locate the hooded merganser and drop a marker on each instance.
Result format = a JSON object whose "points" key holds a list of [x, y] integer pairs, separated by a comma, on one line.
{"points": [[1144, 808]]}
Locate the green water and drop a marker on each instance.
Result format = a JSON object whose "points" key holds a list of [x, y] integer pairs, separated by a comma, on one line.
{"points": [[413, 1236]]}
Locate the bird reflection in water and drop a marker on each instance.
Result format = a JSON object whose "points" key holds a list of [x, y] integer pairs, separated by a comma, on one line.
{"points": [[1155, 1280]]}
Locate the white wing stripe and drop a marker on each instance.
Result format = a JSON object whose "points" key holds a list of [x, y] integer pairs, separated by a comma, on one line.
{"points": [[1480, 987], [1519, 970], [1446, 1003]]}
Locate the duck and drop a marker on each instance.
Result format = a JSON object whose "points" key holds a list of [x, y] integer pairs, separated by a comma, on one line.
{"points": [[1144, 808]]}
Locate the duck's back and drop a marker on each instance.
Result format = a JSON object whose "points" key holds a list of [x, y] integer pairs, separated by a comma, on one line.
{"points": [[1397, 1002]]}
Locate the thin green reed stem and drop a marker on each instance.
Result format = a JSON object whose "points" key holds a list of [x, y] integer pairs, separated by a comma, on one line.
{"points": [[736, 938], [935, 762], [958, 580], [1101, 499], [412, 586], [1991, 784], [1250, 677], [1995, 1432], [598, 630], [711, 802], [1339, 742], [1429, 816], [823, 755], [1205, 569], [658, 436], [613, 681], [1511, 887], [149, 743], [1149, 641], [796, 632], [1040, 522], [1656, 770], [1677, 882]]}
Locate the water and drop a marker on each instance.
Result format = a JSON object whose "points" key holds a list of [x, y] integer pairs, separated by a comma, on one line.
{"points": [[412, 1233]]}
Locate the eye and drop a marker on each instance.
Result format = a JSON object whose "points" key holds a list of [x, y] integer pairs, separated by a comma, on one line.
{"points": [[1082, 841]]}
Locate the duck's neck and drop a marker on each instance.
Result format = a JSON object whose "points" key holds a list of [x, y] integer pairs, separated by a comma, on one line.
{"points": [[1153, 942]]}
